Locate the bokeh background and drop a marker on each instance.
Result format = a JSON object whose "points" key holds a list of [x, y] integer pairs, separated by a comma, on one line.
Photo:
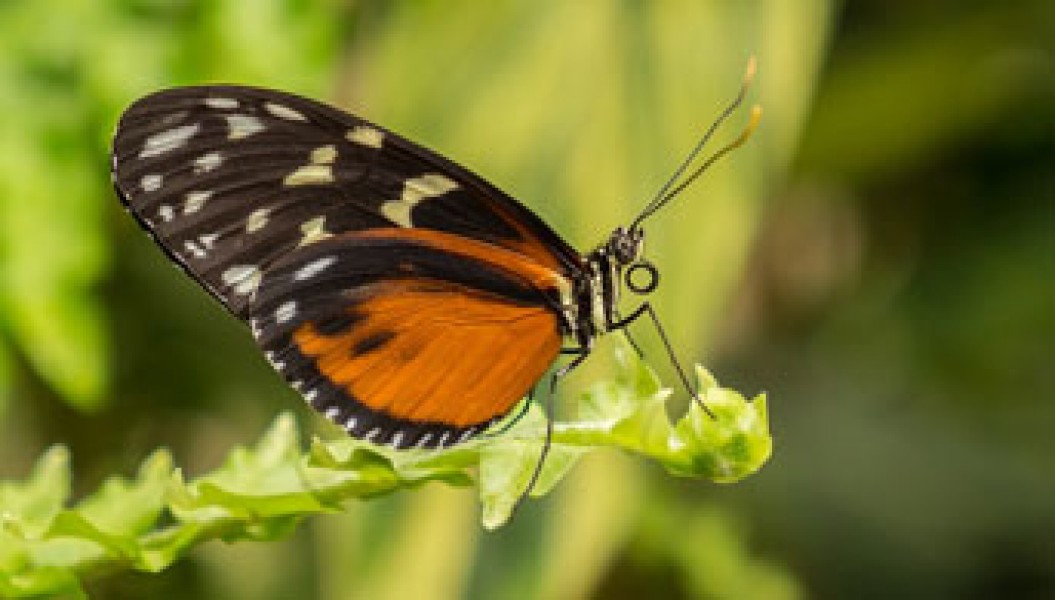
{"points": [[880, 259]]}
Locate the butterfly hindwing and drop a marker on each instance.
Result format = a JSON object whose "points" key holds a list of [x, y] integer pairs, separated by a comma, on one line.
{"points": [[228, 179], [408, 337]]}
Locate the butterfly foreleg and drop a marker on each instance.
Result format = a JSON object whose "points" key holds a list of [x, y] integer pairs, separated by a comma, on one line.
{"points": [[630, 339], [553, 381], [647, 309]]}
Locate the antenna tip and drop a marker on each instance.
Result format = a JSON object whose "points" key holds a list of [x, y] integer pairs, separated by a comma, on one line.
{"points": [[752, 68], [756, 115]]}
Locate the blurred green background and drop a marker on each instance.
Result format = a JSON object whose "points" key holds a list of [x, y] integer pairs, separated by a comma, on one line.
{"points": [[880, 259]]}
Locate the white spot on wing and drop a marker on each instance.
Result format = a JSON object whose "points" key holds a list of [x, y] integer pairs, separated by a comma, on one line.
{"points": [[397, 439], [310, 175], [443, 440], [167, 140], [364, 135], [286, 311], [218, 102], [350, 423], [370, 435], [332, 412], [166, 213], [194, 249], [468, 433], [272, 360], [208, 239], [151, 183], [256, 220], [314, 268], [244, 279], [207, 162], [284, 112], [415, 191], [313, 231], [242, 126], [423, 440], [311, 395], [194, 201]]}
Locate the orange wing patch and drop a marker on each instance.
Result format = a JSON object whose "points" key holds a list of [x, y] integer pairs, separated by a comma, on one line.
{"points": [[436, 352]]}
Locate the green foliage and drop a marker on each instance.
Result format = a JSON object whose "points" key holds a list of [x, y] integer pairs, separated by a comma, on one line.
{"points": [[66, 69], [261, 493]]}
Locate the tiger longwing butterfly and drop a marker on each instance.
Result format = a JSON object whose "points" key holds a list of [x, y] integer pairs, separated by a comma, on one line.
{"points": [[405, 298]]}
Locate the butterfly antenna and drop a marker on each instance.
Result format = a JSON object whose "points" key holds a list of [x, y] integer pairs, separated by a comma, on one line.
{"points": [[669, 190]]}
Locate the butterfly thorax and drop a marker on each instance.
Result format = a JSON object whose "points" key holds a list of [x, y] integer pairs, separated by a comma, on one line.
{"points": [[597, 288]]}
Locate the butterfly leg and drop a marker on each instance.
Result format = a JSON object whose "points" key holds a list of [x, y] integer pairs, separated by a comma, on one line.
{"points": [[632, 341], [646, 308], [554, 380], [525, 406]]}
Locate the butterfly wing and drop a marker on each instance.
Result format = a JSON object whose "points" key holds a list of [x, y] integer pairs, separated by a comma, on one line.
{"points": [[404, 297], [408, 337], [229, 178]]}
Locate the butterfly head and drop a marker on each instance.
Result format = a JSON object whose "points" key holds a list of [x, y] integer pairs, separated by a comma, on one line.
{"points": [[626, 247]]}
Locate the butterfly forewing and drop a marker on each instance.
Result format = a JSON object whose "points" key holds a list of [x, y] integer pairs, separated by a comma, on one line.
{"points": [[303, 220], [230, 178]]}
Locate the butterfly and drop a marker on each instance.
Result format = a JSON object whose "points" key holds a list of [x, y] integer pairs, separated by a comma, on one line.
{"points": [[405, 298]]}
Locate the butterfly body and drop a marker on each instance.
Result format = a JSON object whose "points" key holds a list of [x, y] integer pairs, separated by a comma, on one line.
{"points": [[405, 298]]}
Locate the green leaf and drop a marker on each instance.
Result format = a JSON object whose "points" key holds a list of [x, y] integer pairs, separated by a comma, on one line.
{"points": [[262, 492], [29, 507]]}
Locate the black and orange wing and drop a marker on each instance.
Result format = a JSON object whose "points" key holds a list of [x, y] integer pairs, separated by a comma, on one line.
{"points": [[409, 337], [406, 298]]}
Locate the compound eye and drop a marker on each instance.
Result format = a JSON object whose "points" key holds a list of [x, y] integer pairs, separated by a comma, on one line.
{"points": [[642, 277]]}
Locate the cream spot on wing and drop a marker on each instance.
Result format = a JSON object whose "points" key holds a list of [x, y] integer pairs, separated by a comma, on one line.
{"points": [[208, 240], [364, 135], [324, 154], [415, 191], [242, 126], [313, 230], [310, 175], [256, 220], [219, 102], [423, 440], [284, 112], [207, 162], [194, 201], [314, 268], [243, 278], [151, 183], [351, 423], [286, 311], [166, 213], [167, 140], [194, 249]]}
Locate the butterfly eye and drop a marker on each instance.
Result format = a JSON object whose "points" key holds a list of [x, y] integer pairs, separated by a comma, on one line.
{"points": [[642, 277]]}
